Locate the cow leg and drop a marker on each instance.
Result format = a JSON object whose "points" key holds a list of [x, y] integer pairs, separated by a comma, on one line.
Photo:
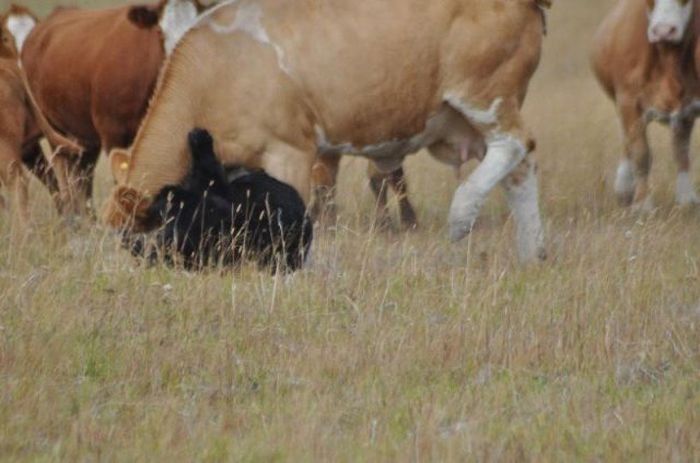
{"points": [[86, 176], [685, 191], [632, 179], [406, 212], [74, 177], [292, 166], [503, 154], [378, 182], [324, 177], [34, 160], [522, 192], [13, 176]]}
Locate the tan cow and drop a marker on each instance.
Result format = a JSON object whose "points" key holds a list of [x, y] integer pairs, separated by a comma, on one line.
{"points": [[21, 124], [94, 71], [644, 58], [278, 82]]}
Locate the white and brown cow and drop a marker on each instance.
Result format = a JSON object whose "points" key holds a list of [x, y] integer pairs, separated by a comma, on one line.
{"points": [[644, 57], [278, 82], [93, 72]]}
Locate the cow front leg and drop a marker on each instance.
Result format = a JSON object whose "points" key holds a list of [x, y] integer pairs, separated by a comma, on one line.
{"points": [[685, 190], [290, 165], [522, 192], [632, 178], [13, 176], [324, 178], [504, 153]]}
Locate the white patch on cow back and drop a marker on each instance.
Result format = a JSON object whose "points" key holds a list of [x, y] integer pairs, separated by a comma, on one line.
{"points": [[685, 190], [669, 13], [249, 21], [504, 153], [20, 26], [475, 115], [625, 178], [177, 18]]}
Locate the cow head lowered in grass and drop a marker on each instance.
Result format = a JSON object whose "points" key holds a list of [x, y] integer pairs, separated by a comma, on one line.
{"points": [[212, 220]]}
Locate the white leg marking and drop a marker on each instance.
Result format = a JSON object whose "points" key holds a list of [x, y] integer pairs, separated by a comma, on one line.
{"points": [[20, 26], [685, 190], [624, 180], [524, 203], [504, 153]]}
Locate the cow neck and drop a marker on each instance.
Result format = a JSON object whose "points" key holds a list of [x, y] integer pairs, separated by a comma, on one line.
{"points": [[162, 137]]}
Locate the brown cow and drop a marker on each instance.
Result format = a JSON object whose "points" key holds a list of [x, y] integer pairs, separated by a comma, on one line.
{"points": [[644, 58], [278, 82], [21, 125], [93, 73]]}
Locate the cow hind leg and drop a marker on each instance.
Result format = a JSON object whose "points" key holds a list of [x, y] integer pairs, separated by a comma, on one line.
{"points": [[632, 178], [522, 193], [685, 190]]}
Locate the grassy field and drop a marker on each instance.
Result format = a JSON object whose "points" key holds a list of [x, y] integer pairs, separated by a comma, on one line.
{"points": [[389, 347]]}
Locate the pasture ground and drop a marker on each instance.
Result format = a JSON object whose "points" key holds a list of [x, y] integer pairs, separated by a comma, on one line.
{"points": [[389, 347]]}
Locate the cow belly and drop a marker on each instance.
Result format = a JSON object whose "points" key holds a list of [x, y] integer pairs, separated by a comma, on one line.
{"points": [[451, 138]]}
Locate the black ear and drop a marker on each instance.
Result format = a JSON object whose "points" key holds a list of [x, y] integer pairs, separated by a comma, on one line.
{"points": [[144, 17], [201, 143]]}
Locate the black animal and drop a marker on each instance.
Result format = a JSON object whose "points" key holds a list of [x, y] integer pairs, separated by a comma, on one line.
{"points": [[209, 220]]}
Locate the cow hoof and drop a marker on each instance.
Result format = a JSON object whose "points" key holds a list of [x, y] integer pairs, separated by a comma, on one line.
{"points": [[687, 198], [460, 229], [409, 221]]}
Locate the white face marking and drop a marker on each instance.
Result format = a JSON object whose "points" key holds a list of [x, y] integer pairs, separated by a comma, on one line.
{"points": [[668, 20], [20, 26], [474, 115], [685, 190], [624, 180], [524, 203], [249, 20], [504, 154], [177, 18]]}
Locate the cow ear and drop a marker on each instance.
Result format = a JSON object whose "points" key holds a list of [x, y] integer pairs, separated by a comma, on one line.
{"points": [[119, 162], [143, 16]]}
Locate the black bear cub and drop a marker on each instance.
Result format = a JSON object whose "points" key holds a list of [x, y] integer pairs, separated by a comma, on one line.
{"points": [[209, 220]]}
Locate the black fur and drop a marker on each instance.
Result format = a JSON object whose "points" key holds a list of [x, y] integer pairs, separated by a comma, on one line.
{"points": [[209, 221]]}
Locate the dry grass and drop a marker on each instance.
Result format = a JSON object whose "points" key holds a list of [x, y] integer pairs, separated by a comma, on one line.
{"points": [[389, 347]]}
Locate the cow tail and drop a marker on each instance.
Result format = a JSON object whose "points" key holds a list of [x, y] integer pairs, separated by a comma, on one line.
{"points": [[543, 6], [56, 139]]}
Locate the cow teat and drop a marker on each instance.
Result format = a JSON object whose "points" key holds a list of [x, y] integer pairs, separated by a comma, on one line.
{"points": [[668, 20]]}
